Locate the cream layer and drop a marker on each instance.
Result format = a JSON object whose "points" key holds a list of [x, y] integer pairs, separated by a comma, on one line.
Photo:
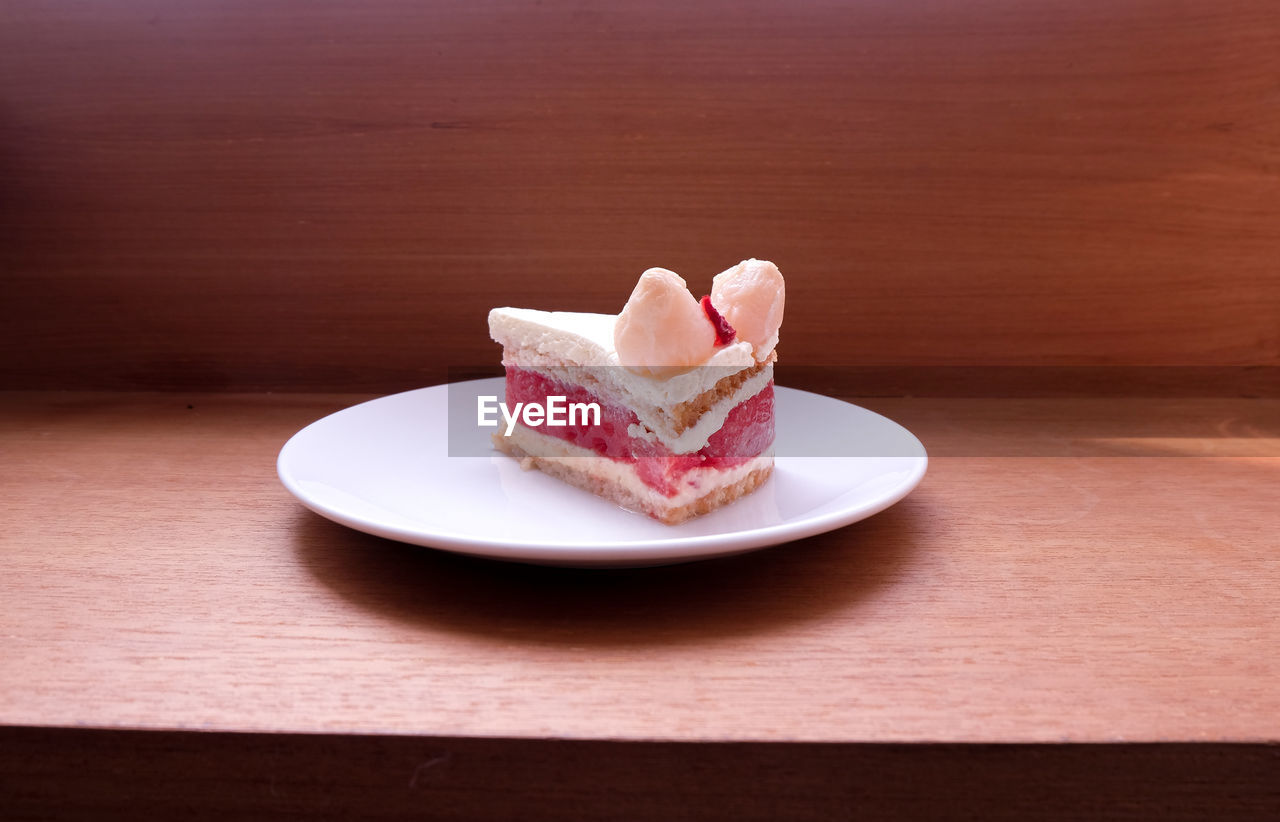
{"points": [[656, 422], [656, 426], [695, 484], [533, 338]]}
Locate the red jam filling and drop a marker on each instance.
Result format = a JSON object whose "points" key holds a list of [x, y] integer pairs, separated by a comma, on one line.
{"points": [[746, 433], [724, 331]]}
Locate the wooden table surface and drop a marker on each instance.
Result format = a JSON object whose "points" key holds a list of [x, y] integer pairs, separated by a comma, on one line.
{"points": [[1063, 574]]}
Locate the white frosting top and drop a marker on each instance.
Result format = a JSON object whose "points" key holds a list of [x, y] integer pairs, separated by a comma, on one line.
{"points": [[572, 338], [549, 338]]}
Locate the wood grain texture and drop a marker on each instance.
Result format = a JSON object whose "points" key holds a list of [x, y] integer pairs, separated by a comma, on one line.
{"points": [[158, 576], [1073, 616], [262, 195]]}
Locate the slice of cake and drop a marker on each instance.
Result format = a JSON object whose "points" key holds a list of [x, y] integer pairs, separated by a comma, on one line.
{"points": [[665, 408]]}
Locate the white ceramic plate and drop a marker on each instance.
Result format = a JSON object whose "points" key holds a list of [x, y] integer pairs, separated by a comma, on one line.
{"points": [[384, 467]]}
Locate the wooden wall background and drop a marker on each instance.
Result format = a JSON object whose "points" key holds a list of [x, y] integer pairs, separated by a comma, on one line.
{"points": [[331, 195]]}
